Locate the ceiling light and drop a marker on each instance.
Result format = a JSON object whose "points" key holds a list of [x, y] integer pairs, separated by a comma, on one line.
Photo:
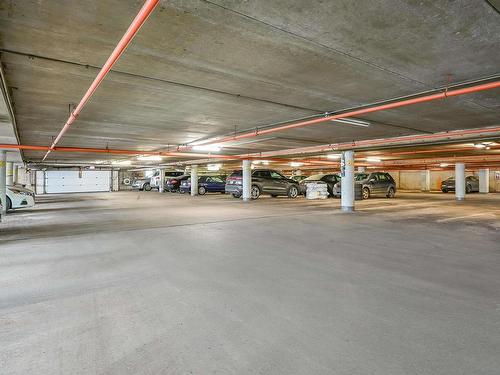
{"points": [[351, 121], [296, 164], [333, 156], [214, 167], [443, 165], [121, 162], [210, 148], [373, 159], [150, 158], [479, 145], [99, 162]]}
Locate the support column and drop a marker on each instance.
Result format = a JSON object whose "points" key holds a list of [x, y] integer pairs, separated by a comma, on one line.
{"points": [[9, 174], [460, 181], [484, 181], [194, 180], [3, 180], [425, 180], [15, 174], [347, 181], [247, 180], [161, 186], [28, 179]]}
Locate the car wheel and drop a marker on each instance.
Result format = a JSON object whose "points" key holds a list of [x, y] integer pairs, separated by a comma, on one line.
{"points": [[255, 192], [366, 193], [236, 195], [391, 193], [147, 187], [202, 190], [9, 204], [468, 189], [274, 195], [293, 192]]}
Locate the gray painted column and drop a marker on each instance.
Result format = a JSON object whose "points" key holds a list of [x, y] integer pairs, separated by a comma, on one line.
{"points": [[347, 181], [15, 174], [161, 186], [3, 180], [460, 181], [247, 180], [425, 180], [194, 180], [484, 181], [9, 174]]}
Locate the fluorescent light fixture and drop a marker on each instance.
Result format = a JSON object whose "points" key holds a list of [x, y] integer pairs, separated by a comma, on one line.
{"points": [[256, 162], [209, 148], [99, 162], [296, 164], [333, 156], [479, 145], [121, 162], [265, 162], [373, 159], [352, 121], [214, 167], [150, 158], [443, 165]]}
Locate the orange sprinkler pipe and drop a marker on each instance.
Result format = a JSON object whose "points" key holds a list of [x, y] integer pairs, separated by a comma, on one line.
{"points": [[377, 108], [134, 27]]}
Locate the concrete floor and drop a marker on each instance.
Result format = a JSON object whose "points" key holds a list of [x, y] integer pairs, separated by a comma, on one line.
{"points": [[149, 283]]}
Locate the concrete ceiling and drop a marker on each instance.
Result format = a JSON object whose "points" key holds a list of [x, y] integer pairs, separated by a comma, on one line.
{"points": [[205, 68]]}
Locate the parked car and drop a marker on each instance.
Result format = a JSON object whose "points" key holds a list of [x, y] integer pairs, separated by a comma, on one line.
{"points": [[264, 181], [330, 179], [471, 184], [206, 184], [19, 197], [155, 179], [174, 183], [374, 183], [142, 184], [298, 178]]}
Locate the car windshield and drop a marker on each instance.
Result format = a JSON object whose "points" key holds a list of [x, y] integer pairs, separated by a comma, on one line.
{"points": [[361, 176], [314, 177], [236, 174]]}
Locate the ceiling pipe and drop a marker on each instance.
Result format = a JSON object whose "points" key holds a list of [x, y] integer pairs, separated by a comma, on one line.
{"points": [[452, 135], [134, 27], [383, 107]]}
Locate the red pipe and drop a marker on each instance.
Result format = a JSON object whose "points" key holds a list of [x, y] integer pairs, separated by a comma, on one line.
{"points": [[134, 27], [377, 108]]}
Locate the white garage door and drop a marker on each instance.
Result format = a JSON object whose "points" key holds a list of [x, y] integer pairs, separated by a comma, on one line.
{"points": [[77, 181]]}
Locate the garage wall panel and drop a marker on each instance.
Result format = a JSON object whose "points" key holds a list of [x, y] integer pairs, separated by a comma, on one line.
{"points": [[77, 181]]}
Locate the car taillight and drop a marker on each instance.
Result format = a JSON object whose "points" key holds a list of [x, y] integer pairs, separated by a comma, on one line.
{"points": [[173, 181]]}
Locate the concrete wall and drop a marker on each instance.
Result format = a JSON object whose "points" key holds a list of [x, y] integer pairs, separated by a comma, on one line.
{"points": [[410, 180]]}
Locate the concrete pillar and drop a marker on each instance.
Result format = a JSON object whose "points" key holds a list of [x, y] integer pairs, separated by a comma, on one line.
{"points": [[3, 180], [15, 174], [460, 181], [194, 180], [347, 181], [425, 180], [361, 169], [9, 173], [161, 186], [28, 179], [484, 181], [247, 180]]}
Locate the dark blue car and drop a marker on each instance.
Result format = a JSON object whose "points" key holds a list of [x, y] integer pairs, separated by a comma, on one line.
{"points": [[210, 184]]}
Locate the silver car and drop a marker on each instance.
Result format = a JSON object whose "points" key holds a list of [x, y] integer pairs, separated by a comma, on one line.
{"points": [[142, 184], [375, 183]]}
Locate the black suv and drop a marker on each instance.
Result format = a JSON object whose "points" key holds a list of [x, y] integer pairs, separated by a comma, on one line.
{"points": [[264, 181]]}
